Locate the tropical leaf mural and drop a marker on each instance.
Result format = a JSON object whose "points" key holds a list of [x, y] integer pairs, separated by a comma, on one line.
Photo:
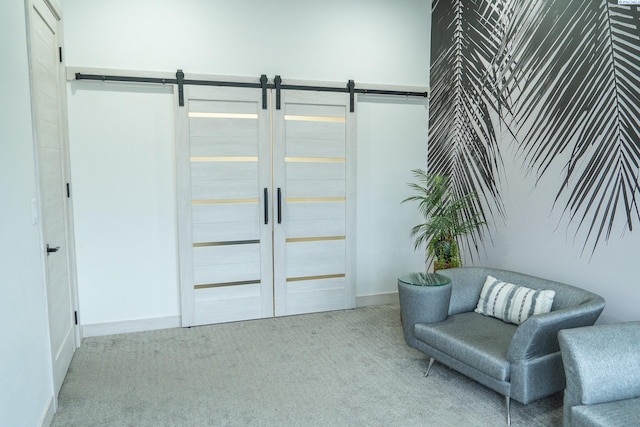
{"points": [[463, 139], [559, 79]]}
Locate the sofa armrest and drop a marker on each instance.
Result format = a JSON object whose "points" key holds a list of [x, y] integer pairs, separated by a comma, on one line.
{"points": [[538, 335], [600, 364], [466, 284], [421, 304]]}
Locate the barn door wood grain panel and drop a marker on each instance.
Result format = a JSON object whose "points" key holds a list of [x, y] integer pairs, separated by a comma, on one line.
{"points": [[313, 168], [225, 239]]}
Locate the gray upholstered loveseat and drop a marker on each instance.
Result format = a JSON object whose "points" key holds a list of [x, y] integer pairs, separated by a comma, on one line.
{"points": [[521, 362], [602, 365]]}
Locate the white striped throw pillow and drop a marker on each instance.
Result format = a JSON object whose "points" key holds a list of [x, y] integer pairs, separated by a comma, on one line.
{"points": [[512, 303]]}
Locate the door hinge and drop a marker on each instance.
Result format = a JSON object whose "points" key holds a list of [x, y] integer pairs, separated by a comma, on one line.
{"points": [[75, 316], [68, 190], [60, 53]]}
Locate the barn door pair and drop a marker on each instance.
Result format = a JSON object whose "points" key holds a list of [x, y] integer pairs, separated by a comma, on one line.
{"points": [[265, 204]]}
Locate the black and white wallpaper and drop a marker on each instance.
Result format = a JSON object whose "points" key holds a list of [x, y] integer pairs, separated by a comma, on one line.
{"points": [[540, 82]]}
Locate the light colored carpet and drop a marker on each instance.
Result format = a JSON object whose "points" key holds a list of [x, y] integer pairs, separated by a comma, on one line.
{"points": [[344, 368]]}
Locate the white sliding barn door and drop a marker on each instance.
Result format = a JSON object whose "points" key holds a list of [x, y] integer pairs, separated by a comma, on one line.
{"points": [[265, 204], [50, 148], [313, 167], [224, 165]]}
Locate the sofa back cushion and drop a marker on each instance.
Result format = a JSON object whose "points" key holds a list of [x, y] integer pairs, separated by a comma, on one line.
{"points": [[468, 282]]}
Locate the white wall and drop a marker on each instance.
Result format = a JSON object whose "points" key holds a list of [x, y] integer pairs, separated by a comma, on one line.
{"points": [[26, 390], [121, 137], [373, 41], [122, 166], [391, 142], [536, 239]]}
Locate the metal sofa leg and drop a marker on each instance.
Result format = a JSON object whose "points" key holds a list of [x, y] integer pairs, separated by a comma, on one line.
{"points": [[430, 365], [508, 402]]}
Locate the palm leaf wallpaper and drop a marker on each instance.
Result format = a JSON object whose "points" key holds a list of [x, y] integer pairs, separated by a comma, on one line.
{"points": [[557, 80]]}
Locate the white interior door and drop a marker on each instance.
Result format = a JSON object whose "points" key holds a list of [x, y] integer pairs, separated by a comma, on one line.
{"points": [[46, 95], [314, 163], [224, 173]]}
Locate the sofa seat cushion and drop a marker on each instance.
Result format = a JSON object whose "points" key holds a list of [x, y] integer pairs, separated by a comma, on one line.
{"points": [[474, 339], [618, 413]]}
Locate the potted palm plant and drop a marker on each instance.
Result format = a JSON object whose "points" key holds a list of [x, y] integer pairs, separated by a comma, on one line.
{"points": [[447, 216]]}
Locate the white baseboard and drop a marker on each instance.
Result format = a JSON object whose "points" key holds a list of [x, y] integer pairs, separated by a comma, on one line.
{"points": [[152, 324], [47, 414], [377, 299], [126, 326]]}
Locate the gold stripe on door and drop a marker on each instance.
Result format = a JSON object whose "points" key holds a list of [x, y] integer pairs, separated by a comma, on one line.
{"points": [[327, 276], [314, 159], [314, 199], [229, 243], [222, 115], [314, 239], [223, 201], [326, 119], [224, 285], [224, 159]]}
